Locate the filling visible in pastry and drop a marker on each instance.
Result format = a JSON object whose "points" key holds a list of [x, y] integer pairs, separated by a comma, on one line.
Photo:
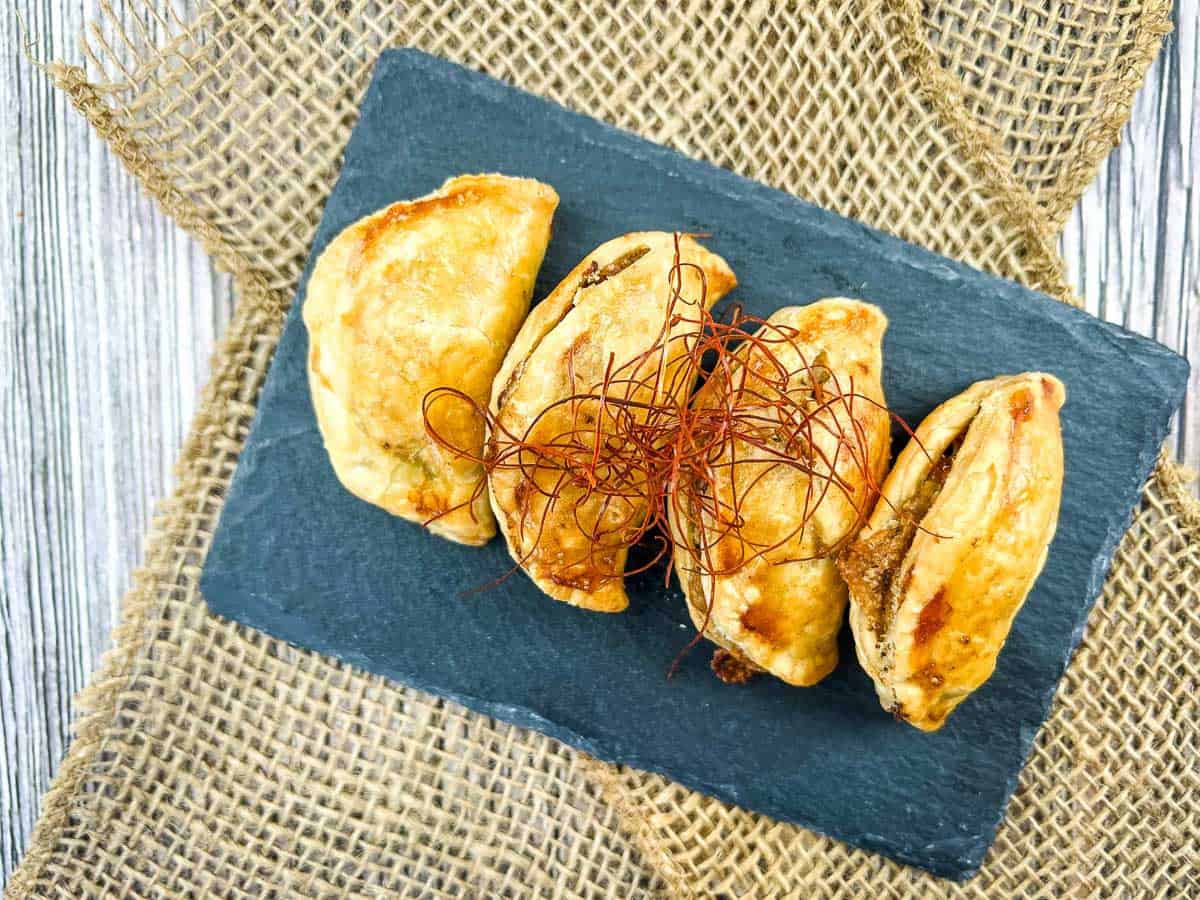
{"points": [[955, 544], [871, 566], [586, 405], [592, 276]]}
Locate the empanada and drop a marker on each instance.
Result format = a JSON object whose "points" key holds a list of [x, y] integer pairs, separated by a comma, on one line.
{"points": [[423, 294], [604, 316], [955, 544], [769, 591]]}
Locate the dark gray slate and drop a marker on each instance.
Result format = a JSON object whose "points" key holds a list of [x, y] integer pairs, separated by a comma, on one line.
{"points": [[297, 556]]}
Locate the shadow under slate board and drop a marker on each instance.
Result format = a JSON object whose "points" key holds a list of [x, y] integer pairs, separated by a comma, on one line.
{"points": [[298, 557]]}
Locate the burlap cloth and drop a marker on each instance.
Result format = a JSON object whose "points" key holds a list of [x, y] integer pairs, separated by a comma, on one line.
{"points": [[214, 761]]}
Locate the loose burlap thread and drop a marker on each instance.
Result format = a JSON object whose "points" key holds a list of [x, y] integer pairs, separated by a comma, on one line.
{"points": [[211, 760]]}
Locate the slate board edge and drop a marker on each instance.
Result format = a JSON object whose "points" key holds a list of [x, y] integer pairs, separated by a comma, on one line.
{"points": [[775, 204], [773, 200], [947, 865]]}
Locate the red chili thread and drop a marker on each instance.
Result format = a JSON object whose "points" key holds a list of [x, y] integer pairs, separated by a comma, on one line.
{"points": [[652, 448]]}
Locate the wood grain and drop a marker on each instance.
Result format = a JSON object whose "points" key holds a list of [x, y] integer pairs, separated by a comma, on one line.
{"points": [[112, 313], [105, 335], [1132, 245]]}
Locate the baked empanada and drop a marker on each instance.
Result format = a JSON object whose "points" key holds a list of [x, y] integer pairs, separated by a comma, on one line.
{"points": [[608, 315], [423, 294], [954, 545], [769, 591]]}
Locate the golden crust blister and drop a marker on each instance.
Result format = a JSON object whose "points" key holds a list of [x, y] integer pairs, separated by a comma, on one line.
{"points": [[781, 611], [611, 307], [956, 541], [420, 295]]}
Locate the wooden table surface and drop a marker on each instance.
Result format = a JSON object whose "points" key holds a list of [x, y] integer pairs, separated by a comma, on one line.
{"points": [[111, 313]]}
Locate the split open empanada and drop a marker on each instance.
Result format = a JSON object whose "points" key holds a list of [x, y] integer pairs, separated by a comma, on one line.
{"points": [[424, 294], [955, 544], [608, 312]]}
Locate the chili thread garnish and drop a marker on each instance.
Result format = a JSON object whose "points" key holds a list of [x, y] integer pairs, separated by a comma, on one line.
{"points": [[656, 438]]}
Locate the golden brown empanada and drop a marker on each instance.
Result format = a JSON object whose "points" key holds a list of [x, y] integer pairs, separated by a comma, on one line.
{"points": [[607, 312], [955, 544], [420, 295], [781, 610]]}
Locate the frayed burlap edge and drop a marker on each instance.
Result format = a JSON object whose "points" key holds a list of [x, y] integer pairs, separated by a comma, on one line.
{"points": [[1174, 480], [1041, 224], [96, 704], [943, 92], [1116, 107], [257, 305]]}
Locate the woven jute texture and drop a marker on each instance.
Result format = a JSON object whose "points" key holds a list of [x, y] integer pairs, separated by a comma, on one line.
{"points": [[213, 761]]}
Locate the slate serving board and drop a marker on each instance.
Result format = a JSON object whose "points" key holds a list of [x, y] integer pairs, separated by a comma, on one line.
{"points": [[297, 556]]}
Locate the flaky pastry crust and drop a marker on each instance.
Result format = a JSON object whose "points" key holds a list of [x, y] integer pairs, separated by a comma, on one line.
{"points": [[420, 295], [955, 544], [611, 307], [781, 611]]}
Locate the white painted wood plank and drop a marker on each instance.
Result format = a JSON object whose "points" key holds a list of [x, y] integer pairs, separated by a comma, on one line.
{"points": [[1132, 245], [112, 314], [105, 336]]}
